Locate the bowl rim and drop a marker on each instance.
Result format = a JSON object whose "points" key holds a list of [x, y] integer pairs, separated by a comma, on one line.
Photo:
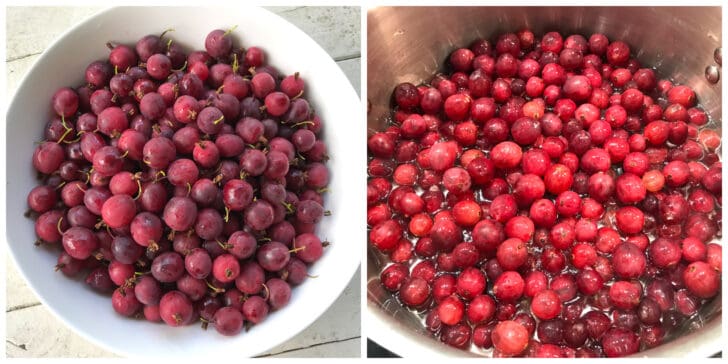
{"points": [[344, 277]]}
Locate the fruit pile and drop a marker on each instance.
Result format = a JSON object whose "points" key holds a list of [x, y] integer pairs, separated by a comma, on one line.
{"points": [[187, 185], [548, 197]]}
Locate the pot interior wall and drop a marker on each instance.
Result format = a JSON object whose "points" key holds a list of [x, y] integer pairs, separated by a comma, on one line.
{"points": [[410, 44]]}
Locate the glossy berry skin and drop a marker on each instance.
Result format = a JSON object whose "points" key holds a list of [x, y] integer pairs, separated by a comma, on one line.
{"points": [[273, 256], [125, 302], [625, 294], [558, 179], [510, 338], [619, 342], [47, 157], [168, 267], [179, 213], [237, 194], [280, 293], [65, 102], [42, 198], [701, 279], [175, 308], [414, 292], [159, 152], [385, 235], [309, 246], [630, 189], [393, 276], [255, 309], [506, 155], [471, 282], [225, 268], [118, 211], [79, 242], [228, 321], [451, 310], [509, 286], [546, 305], [198, 263], [218, 43], [481, 309]]}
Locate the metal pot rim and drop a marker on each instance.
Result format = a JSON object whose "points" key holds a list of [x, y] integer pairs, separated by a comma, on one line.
{"points": [[395, 337]]}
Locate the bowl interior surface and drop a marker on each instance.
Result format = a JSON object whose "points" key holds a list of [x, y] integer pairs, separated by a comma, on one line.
{"points": [[63, 64], [411, 44]]}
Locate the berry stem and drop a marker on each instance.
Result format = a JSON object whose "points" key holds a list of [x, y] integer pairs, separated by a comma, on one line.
{"points": [[230, 30], [165, 32], [236, 66], [58, 225]]}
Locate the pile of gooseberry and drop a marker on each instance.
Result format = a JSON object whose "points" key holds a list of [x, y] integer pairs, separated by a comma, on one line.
{"points": [[548, 197], [188, 185]]}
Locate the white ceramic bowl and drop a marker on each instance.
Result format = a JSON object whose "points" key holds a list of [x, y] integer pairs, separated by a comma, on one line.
{"points": [[289, 50]]}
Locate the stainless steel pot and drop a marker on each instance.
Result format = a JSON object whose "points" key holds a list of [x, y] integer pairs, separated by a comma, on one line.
{"points": [[410, 44]]}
